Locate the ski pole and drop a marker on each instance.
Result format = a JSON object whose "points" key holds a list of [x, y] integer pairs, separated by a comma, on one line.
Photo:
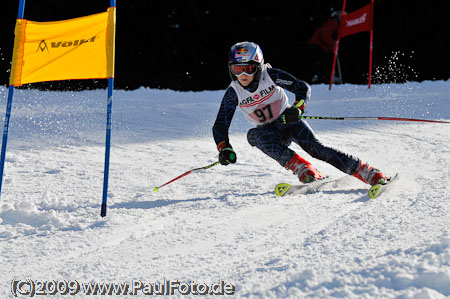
{"points": [[156, 189], [374, 118]]}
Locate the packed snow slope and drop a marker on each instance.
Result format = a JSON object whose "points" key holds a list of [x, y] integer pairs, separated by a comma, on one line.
{"points": [[225, 223]]}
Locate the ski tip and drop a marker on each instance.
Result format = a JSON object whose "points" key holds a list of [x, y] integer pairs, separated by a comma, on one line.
{"points": [[155, 189], [281, 189], [393, 178], [375, 191]]}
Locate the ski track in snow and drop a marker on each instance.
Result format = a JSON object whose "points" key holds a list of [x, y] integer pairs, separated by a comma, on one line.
{"points": [[225, 222]]}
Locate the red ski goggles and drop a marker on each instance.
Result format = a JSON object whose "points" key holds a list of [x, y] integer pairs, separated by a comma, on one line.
{"points": [[239, 69]]}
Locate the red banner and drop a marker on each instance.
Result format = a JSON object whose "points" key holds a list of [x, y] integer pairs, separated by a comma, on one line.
{"points": [[357, 21]]}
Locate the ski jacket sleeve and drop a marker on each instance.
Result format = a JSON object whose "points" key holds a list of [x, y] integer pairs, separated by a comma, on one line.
{"points": [[300, 88], [224, 116]]}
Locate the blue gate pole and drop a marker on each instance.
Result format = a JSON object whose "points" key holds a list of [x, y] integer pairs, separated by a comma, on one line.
{"points": [[108, 138], [8, 111], [5, 134], [108, 145]]}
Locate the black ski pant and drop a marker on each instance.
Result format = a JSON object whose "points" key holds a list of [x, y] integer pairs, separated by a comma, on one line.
{"points": [[274, 140]]}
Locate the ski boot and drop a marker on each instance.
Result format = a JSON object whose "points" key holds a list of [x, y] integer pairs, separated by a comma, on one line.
{"points": [[303, 169], [370, 175]]}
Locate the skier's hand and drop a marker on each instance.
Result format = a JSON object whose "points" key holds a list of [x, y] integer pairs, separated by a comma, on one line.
{"points": [[227, 156], [290, 115], [226, 153]]}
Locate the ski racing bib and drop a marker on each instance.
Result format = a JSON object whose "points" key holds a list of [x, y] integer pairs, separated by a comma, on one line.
{"points": [[263, 105]]}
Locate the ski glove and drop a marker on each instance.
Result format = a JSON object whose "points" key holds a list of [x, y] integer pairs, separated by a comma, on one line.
{"points": [[292, 113], [226, 153]]}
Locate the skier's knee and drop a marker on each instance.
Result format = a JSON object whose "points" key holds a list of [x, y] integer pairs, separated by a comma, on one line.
{"points": [[251, 137]]}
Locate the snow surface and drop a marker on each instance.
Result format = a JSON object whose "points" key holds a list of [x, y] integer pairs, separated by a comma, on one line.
{"points": [[225, 223]]}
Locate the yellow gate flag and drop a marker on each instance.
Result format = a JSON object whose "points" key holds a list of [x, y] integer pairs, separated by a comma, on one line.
{"points": [[80, 48]]}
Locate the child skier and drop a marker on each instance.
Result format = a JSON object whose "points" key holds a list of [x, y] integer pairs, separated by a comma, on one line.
{"points": [[257, 89]]}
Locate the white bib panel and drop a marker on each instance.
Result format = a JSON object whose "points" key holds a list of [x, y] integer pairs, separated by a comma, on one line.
{"points": [[263, 105]]}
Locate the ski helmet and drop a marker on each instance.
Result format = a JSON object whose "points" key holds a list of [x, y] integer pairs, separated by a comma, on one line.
{"points": [[245, 53]]}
